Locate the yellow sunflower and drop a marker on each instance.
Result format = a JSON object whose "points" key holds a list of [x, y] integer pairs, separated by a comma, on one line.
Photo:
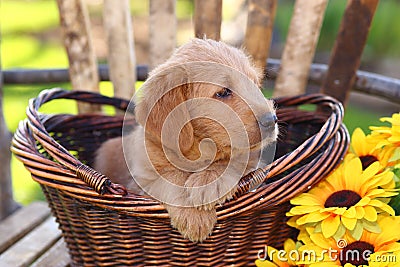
{"points": [[372, 249], [387, 135], [275, 258], [349, 198], [366, 149]]}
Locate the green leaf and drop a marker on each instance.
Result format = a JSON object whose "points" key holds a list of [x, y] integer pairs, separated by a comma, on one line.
{"points": [[396, 177], [396, 155], [318, 228], [357, 232], [395, 204], [340, 232], [371, 226]]}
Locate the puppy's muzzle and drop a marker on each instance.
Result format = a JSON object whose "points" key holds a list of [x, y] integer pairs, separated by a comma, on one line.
{"points": [[268, 121], [268, 127]]}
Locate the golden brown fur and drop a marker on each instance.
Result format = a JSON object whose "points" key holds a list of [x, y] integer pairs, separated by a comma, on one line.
{"points": [[180, 110]]}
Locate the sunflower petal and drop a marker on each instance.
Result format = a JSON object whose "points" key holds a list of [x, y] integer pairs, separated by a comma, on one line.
{"points": [[273, 256], [370, 213], [350, 212], [383, 206], [391, 247], [359, 212], [330, 209], [349, 223], [289, 244], [371, 183], [385, 177], [376, 203], [320, 241], [292, 221], [375, 192], [302, 220], [358, 141], [299, 210], [316, 217], [364, 201], [389, 234], [306, 199], [353, 169], [372, 169], [330, 225], [340, 211], [394, 139], [388, 209]]}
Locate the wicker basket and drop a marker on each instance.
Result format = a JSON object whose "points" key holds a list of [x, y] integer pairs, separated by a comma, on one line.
{"points": [[104, 227]]}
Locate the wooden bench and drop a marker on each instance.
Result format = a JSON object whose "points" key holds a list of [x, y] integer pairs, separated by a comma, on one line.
{"points": [[30, 237]]}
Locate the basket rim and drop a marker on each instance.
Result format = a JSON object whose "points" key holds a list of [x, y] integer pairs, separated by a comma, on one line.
{"points": [[94, 187]]}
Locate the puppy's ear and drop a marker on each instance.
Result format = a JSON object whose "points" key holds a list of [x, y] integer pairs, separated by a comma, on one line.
{"points": [[162, 111]]}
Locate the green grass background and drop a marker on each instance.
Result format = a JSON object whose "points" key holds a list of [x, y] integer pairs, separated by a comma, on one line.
{"points": [[25, 25]]}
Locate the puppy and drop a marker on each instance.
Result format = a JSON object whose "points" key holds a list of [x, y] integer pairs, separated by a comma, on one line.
{"points": [[202, 123]]}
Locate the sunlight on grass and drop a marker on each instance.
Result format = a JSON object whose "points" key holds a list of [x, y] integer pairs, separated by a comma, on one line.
{"points": [[20, 47], [362, 117], [28, 52], [25, 189], [27, 16]]}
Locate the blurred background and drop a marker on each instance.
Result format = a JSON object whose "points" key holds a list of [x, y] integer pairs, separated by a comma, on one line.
{"points": [[31, 38]]}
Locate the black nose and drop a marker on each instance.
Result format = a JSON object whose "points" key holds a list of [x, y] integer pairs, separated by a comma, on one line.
{"points": [[268, 120]]}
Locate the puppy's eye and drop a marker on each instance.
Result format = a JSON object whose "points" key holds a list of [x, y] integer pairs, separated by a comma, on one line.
{"points": [[224, 93]]}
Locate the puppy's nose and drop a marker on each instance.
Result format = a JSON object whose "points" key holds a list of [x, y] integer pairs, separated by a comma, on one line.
{"points": [[268, 120]]}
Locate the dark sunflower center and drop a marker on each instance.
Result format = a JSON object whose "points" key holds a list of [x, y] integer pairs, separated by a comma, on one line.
{"points": [[343, 198], [367, 160], [356, 253]]}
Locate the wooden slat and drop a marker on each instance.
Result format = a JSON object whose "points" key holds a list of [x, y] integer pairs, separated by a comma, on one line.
{"points": [[121, 48], [260, 23], [26, 250], [74, 20], [348, 47], [300, 47], [21, 222], [163, 27], [208, 18], [56, 256]]}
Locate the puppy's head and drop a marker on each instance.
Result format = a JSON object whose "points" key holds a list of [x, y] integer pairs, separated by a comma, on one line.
{"points": [[207, 90]]}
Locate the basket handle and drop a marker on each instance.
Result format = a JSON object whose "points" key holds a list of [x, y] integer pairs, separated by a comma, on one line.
{"points": [[98, 182]]}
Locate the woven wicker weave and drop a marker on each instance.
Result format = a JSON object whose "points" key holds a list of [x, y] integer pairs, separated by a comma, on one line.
{"points": [[102, 227]]}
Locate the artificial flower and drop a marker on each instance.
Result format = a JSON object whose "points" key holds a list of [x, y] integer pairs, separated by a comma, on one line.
{"points": [[366, 149], [372, 249], [275, 258], [350, 198], [387, 135]]}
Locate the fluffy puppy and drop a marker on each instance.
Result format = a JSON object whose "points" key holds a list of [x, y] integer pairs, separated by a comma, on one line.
{"points": [[202, 123]]}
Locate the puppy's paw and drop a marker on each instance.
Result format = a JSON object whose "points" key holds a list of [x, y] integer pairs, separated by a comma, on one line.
{"points": [[194, 224], [229, 195], [206, 189]]}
